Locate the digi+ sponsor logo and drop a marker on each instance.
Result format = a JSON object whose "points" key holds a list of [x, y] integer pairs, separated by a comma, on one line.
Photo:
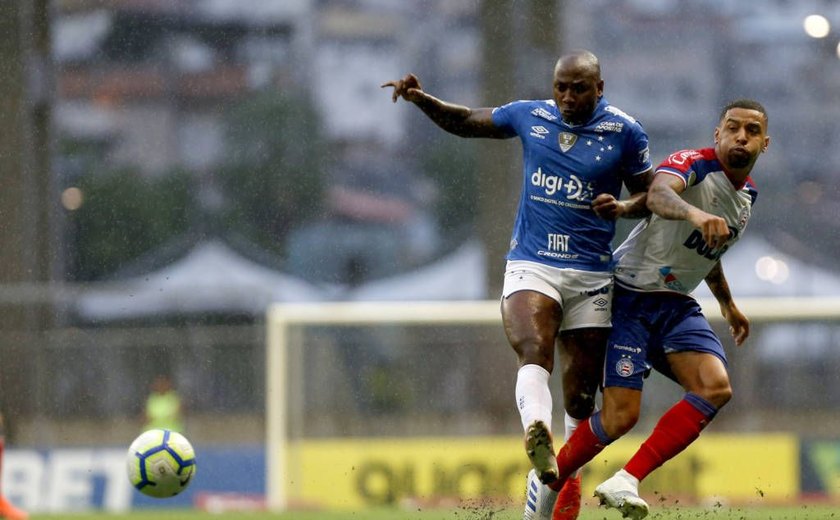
{"points": [[573, 188]]}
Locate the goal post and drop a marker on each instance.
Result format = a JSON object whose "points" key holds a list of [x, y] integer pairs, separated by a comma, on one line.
{"points": [[283, 317], [285, 322]]}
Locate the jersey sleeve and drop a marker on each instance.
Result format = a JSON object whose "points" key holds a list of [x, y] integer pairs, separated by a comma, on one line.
{"points": [[637, 153], [507, 116], [681, 164]]}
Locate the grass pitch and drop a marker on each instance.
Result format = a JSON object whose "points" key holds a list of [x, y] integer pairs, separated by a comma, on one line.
{"points": [[803, 512]]}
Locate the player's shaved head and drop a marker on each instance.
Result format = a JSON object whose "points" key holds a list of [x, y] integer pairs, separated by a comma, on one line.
{"points": [[577, 85], [581, 60]]}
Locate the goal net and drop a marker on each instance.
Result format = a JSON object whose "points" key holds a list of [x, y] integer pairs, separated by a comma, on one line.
{"points": [[384, 403]]}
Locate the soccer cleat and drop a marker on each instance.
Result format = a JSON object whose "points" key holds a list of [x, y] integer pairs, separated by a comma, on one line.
{"points": [[539, 499], [10, 512], [540, 450], [621, 492], [567, 505]]}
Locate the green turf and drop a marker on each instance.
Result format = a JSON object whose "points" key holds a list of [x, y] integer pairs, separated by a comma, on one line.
{"points": [[476, 513]]}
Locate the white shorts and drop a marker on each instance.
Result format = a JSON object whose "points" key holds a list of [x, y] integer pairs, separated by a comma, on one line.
{"points": [[584, 296]]}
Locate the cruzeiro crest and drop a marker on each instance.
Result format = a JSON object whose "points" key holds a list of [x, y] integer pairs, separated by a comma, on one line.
{"points": [[566, 140]]}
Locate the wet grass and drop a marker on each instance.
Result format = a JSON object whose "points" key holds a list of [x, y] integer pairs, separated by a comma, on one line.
{"points": [[717, 512]]}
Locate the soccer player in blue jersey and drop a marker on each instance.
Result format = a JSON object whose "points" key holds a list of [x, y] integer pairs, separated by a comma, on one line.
{"points": [[578, 152], [701, 202]]}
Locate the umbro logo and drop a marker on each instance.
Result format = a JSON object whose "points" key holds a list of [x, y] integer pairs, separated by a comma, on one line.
{"points": [[539, 131]]}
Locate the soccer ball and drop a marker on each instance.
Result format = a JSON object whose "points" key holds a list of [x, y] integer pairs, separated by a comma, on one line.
{"points": [[160, 463]]}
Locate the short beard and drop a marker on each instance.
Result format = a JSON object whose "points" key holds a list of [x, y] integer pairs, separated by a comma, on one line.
{"points": [[739, 160]]}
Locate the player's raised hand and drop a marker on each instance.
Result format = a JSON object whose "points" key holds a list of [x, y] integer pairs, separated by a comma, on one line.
{"points": [[407, 88], [606, 206]]}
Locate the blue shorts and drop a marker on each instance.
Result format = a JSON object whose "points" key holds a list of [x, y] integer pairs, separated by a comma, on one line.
{"points": [[649, 325]]}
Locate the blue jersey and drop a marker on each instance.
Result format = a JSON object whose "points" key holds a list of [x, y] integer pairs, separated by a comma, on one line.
{"points": [[565, 168]]}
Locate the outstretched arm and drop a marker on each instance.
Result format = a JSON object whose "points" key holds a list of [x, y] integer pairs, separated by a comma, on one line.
{"points": [[739, 325], [456, 119], [664, 199]]}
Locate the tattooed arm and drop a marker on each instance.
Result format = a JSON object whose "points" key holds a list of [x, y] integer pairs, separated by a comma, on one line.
{"points": [[664, 199], [455, 119], [739, 325]]}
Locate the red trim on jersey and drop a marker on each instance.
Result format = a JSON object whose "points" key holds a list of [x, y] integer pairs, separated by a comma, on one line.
{"points": [[669, 172], [682, 161]]}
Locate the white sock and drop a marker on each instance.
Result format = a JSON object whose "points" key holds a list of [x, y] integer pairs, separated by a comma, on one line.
{"points": [[533, 397], [571, 425]]}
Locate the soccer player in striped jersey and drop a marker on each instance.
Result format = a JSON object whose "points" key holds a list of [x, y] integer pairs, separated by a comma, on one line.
{"points": [[701, 202], [578, 152]]}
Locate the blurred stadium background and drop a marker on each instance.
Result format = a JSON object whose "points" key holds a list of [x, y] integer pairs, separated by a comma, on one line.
{"points": [[170, 169]]}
